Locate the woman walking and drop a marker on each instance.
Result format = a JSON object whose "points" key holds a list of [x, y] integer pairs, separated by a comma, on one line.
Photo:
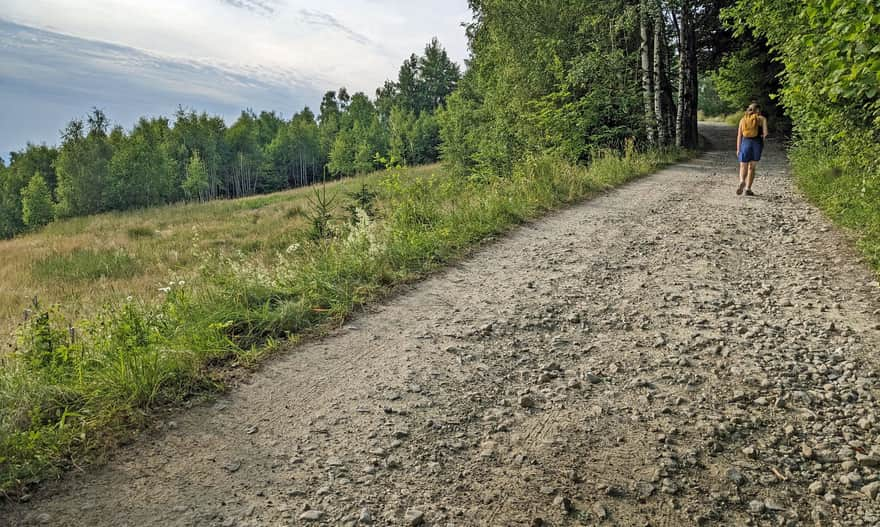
{"points": [[749, 144]]}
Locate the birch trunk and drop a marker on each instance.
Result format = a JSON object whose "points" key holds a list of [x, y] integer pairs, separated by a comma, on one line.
{"points": [[660, 83], [647, 73]]}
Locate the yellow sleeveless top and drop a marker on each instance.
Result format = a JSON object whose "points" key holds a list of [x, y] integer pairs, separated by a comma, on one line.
{"points": [[750, 124]]}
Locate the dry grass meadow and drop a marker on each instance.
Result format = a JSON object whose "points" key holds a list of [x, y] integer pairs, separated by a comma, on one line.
{"points": [[81, 264]]}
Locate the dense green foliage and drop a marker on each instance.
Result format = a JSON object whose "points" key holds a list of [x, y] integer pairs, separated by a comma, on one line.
{"points": [[400, 125], [553, 77], [99, 168], [711, 102], [830, 52], [829, 49], [36, 202], [748, 72], [737, 83], [196, 184], [15, 178]]}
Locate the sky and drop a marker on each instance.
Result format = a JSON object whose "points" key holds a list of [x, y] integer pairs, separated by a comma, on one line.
{"points": [[60, 58]]}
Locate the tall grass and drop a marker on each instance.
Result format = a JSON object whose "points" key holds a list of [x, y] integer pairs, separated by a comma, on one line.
{"points": [[731, 118], [843, 179], [159, 244], [70, 387], [86, 264], [141, 232]]}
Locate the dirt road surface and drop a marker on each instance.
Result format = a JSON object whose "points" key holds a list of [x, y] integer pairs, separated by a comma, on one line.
{"points": [[666, 354]]}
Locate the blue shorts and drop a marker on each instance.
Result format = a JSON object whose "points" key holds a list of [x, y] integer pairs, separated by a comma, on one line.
{"points": [[750, 149]]}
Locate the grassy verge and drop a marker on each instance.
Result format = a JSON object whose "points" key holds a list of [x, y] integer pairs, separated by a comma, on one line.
{"points": [[70, 388], [84, 263], [843, 179], [732, 118]]}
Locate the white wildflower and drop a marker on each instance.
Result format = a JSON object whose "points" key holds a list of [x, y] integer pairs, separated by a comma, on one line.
{"points": [[165, 289], [365, 234]]}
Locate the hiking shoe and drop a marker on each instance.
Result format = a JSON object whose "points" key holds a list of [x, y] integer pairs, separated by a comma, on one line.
{"points": [[739, 189], [749, 192]]}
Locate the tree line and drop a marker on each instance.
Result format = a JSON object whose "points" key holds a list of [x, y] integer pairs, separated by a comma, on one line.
{"points": [[197, 157], [566, 77]]}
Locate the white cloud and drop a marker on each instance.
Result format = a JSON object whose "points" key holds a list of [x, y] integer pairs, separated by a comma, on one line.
{"points": [[358, 43], [58, 58]]}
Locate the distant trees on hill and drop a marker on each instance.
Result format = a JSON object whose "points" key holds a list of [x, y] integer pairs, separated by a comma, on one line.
{"points": [[98, 167], [23, 166]]}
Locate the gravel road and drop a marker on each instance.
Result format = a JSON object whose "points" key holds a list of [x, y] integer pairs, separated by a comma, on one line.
{"points": [[668, 353]]}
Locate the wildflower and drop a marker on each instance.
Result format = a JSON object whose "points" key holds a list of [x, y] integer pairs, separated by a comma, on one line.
{"points": [[292, 248], [165, 289], [129, 298], [181, 282]]}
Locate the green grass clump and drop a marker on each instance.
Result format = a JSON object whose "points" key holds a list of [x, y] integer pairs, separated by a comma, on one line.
{"points": [[136, 233], [69, 388], [86, 264], [65, 389]]}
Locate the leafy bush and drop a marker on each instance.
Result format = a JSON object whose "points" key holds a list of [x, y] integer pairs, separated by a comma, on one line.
{"points": [[36, 202]]}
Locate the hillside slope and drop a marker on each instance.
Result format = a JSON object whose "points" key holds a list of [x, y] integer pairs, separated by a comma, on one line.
{"points": [[82, 263]]}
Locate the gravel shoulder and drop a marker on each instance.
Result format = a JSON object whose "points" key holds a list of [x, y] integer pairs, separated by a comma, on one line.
{"points": [[668, 353]]}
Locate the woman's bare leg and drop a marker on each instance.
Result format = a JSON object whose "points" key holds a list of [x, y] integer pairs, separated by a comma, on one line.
{"points": [[750, 177], [743, 174]]}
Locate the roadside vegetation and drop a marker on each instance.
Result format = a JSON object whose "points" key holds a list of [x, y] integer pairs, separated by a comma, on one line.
{"points": [[74, 386], [83, 263]]}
